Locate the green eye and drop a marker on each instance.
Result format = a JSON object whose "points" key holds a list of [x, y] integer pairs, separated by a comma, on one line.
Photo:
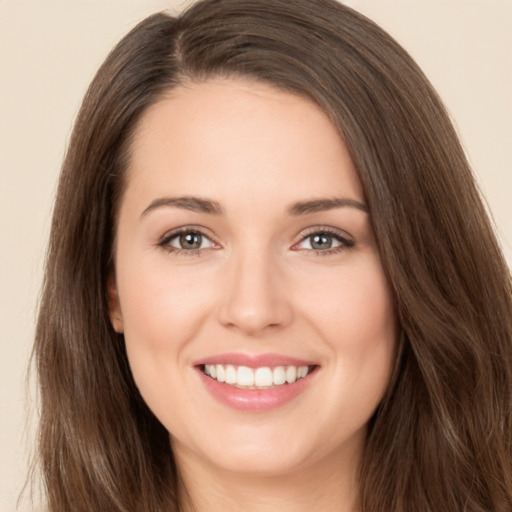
{"points": [[325, 242], [187, 241], [321, 242], [190, 241]]}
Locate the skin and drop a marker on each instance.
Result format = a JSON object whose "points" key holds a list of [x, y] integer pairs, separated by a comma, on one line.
{"points": [[257, 286]]}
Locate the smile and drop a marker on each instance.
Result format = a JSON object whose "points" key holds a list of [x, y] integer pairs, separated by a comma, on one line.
{"points": [[256, 383], [263, 377]]}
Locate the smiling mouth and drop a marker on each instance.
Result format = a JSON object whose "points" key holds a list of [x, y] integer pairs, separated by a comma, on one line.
{"points": [[264, 377]]}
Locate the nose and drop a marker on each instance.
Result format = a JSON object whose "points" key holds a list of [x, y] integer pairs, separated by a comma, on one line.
{"points": [[254, 296]]}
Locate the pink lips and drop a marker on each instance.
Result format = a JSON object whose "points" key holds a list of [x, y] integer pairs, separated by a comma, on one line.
{"points": [[256, 400], [252, 361]]}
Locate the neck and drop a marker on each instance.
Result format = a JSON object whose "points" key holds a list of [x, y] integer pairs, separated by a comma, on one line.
{"points": [[329, 484]]}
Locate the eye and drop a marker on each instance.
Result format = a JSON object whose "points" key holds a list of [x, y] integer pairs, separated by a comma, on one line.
{"points": [[189, 241], [324, 241], [320, 242], [186, 240]]}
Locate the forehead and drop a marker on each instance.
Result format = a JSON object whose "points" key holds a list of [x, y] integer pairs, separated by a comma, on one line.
{"points": [[242, 137]]}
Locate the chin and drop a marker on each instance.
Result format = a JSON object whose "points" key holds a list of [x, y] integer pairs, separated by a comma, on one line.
{"points": [[269, 461]]}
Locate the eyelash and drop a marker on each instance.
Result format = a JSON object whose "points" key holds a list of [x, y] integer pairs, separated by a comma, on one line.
{"points": [[345, 242], [166, 240]]}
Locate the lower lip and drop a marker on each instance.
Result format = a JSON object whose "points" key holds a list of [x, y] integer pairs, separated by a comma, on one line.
{"points": [[255, 400]]}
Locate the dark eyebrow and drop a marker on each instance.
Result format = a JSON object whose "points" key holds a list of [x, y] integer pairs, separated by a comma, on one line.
{"points": [[196, 204], [319, 205]]}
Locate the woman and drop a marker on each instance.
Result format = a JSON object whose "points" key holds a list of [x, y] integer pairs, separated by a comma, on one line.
{"points": [[271, 282]]}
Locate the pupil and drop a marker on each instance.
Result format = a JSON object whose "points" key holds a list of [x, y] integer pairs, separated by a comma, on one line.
{"points": [[190, 240], [321, 242]]}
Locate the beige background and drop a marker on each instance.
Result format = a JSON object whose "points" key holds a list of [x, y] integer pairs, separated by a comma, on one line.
{"points": [[49, 50]]}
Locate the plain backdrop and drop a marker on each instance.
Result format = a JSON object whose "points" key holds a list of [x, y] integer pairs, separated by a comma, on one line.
{"points": [[49, 51]]}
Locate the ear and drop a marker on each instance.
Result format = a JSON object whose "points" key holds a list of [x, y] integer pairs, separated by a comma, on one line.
{"points": [[114, 307]]}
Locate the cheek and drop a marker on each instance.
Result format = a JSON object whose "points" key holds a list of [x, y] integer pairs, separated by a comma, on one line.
{"points": [[354, 307], [163, 310], [158, 300], [356, 319], [161, 316]]}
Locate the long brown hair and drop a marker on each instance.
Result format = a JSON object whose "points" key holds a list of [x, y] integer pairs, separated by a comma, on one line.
{"points": [[441, 440]]}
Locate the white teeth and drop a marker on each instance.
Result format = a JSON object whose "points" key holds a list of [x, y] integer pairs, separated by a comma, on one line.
{"points": [[263, 377], [302, 372], [291, 374], [256, 378], [245, 376], [230, 374], [279, 375], [211, 370]]}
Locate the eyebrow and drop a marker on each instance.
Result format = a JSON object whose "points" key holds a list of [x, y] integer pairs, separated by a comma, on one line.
{"points": [[320, 205], [202, 205], [195, 204]]}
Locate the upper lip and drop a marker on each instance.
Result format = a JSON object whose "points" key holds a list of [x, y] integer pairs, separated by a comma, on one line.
{"points": [[254, 361]]}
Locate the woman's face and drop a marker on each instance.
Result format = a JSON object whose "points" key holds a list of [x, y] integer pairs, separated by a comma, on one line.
{"points": [[244, 251]]}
